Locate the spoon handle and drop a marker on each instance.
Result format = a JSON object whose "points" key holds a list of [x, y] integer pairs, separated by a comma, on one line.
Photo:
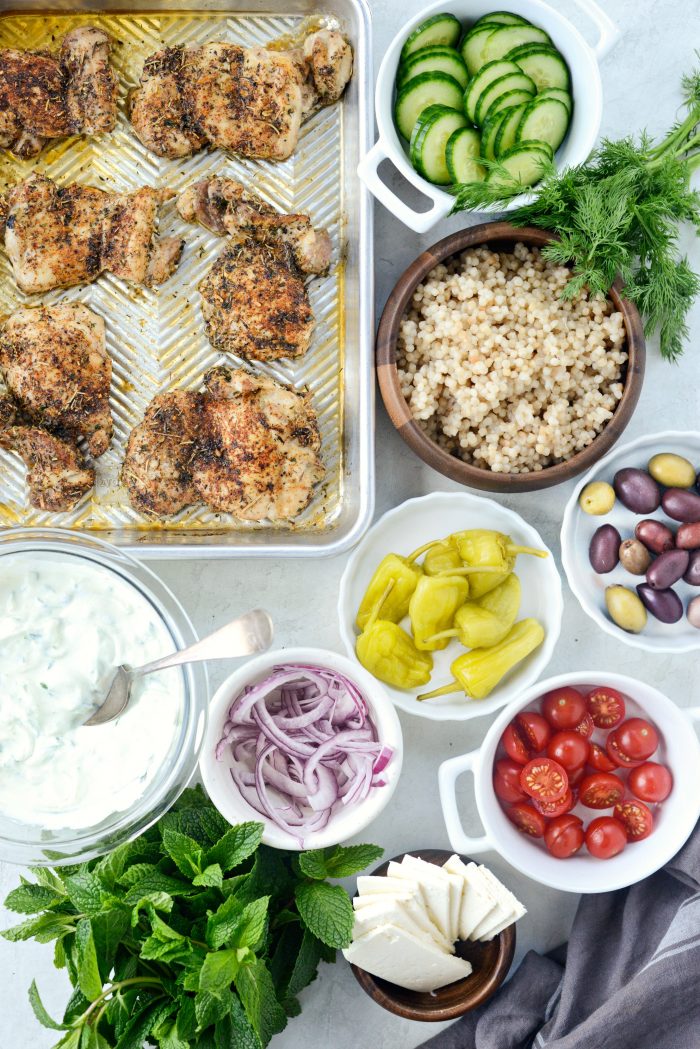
{"points": [[245, 635]]}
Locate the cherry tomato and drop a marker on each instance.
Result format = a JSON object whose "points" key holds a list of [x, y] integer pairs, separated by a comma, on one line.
{"points": [[599, 760], [544, 779], [563, 707], [601, 790], [514, 745], [637, 738], [564, 836], [534, 729], [526, 819], [585, 726], [506, 781], [576, 775], [612, 749], [606, 706], [569, 749], [650, 782], [635, 817], [605, 837], [552, 809]]}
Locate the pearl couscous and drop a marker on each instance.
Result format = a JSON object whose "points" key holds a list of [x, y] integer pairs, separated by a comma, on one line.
{"points": [[500, 371]]}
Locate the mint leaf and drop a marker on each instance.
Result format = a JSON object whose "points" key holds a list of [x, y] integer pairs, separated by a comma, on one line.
{"points": [[85, 892], [234, 1031], [170, 1039], [350, 859], [39, 1010], [71, 1040], [271, 874], [160, 901], [155, 882], [31, 899], [237, 845], [210, 876], [184, 851], [252, 923], [108, 931], [305, 963], [186, 1019], [218, 972], [257, 993], [222, 924], [44, 927], [89, 979], [209, 1008], [327, 911], [313, 864], [141, 1024], [112, 866], [77, 1004], [205, 825], [165, 944]]}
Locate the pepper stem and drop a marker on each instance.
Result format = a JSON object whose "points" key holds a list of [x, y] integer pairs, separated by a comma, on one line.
{"points": [[439, 637], [454, 686], [374, 615], [511, 549], [422, 549], [468, 570]]}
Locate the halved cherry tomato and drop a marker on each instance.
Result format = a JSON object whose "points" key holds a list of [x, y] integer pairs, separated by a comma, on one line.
{"points": [[599, 760], [635, 817], [534, 729], [506, 781], [601, 790], [564, 836], [568, 748], [637, 738], [585, 726], [606, 706], [576, 775], [551, 809], [514, 745], [605, 837], [563, 707], [650, 782], [544, 779], [622, 760], [527, 819]]}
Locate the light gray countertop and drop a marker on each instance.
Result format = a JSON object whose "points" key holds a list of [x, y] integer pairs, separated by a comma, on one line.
{"points": [[641, 88]]}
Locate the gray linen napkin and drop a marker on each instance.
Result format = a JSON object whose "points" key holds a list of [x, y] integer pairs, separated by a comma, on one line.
{"points": [[629, 977]]}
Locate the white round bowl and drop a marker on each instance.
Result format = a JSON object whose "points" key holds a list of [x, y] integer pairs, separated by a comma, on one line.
{"points": [[578, 528], [219, 783], [434, 516], [583, 873], [586, 85]]}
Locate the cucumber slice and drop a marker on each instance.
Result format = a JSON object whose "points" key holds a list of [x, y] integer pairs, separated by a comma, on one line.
{"points": [[505, 135], [473, 45], [503, 18], [489, 133], [486, 75], [429, 142], [506, 37], [524, 165], [437, 59], [544, 120], [425, 90], [440, 29], [504, 84], [558, 92], [542, 64], [462, 156], [507, 101]]}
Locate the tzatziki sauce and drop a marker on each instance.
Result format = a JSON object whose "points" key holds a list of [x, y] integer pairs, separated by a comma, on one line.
{"points": [[65, 624]]}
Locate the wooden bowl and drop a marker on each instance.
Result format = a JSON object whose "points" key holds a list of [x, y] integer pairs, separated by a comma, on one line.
{"points": [[490, 961], [498, 235]]}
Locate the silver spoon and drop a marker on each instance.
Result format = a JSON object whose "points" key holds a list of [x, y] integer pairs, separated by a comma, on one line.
{"points": [[244, 636]]}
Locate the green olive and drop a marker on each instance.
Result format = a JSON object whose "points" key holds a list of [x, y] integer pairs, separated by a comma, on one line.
{"points": [[634, 556], [672, 470], [626, 609], [597, 498]]}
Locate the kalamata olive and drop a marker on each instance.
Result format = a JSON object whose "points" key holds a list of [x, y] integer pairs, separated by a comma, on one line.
{"points": [[667, 569], [688, 536], [637, 490], [681, 505], [634, 556], [692, 572], [693, 612], [603, 551], [655, 535], [671, 470], [664, 605], [626, 609], [597, 498]]}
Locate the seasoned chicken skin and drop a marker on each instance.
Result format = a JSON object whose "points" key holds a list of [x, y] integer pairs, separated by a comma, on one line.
{"points": [[45, 96], [246, 445], [57, 237], [58, 371], [249, 100], [254, 301]]}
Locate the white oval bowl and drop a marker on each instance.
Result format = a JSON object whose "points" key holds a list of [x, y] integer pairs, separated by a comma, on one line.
{"points": [[583, 873], [434, 516], [578, 528], [586, 89], [219, 783]]}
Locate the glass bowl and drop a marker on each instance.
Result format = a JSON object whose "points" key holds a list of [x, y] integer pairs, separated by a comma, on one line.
{"points": [[32, 844]]}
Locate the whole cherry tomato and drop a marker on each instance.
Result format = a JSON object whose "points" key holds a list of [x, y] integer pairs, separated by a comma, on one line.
{"points": [[635, 817], [606, 706], [601, 790], [564, 836], [506, 781], [526, 819], [636, 738], [563, 707], [544, 779], [605, 837], [650, 782], [569, 749], [599, 760]]}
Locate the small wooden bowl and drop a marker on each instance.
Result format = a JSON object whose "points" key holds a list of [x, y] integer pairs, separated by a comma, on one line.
{"points": [[490, 961], [501, 235]]}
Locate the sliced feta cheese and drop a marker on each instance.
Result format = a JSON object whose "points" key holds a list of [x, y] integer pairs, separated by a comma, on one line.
{"points": [[426, 872], [436, 894], [478, 901], [508, 910], [368, 883], [388, 911], [369, 901], [395, 955]]}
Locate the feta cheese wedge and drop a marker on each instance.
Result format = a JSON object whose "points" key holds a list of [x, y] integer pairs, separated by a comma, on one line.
{"points": [[511, 907], [414, 905], [426, 872], [436, 894], [395, 955], [369, 883], [477, 902], [389, 911]]}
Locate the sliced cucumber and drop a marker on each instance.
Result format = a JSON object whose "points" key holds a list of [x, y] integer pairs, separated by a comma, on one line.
{"points": [[438, 59], [486, 75], [429, 142], [542, 64], [473, 45], [506, 37], [502, 86], [505, 135], [503, 18], [425, 90], [558, 92], [544, 120], [462, 156], [440, 29], [507, 101], [489, 134], [524, 165]]}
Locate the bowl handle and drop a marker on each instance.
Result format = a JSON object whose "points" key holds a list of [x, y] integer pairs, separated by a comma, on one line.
{"points": [[419, 221], [692, 712], [448, 774], [608, 33]]}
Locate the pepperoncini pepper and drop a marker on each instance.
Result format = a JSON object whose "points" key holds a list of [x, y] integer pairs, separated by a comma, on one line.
{"points": [[478, 672], [404, 574], [442, 557], [432, 609], [485, 622], [387, 651], [492, 551]]}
